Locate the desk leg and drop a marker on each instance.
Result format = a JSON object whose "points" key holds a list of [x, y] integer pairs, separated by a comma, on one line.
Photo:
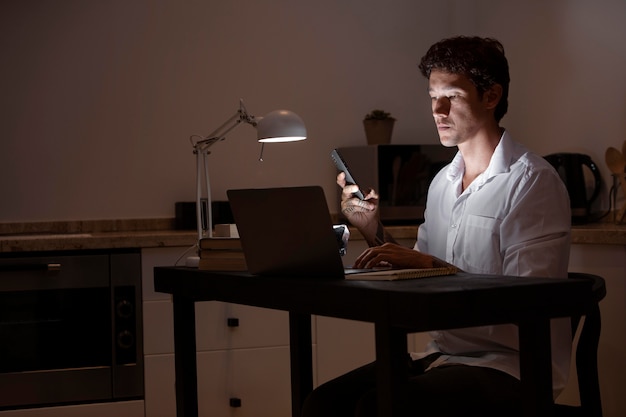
{"points": [[391, 366], [536, 368], [185, 357], [301, 353]]}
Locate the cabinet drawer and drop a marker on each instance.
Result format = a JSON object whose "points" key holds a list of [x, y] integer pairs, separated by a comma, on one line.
{"points": [[241, 383], [233, 326], [256, 380], [218, 326]]}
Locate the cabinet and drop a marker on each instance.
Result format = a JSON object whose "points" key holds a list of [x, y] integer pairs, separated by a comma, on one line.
{"points": [[243, 353]]}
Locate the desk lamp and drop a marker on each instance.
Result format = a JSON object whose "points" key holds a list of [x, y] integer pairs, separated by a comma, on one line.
{"points": [[276, 126]]}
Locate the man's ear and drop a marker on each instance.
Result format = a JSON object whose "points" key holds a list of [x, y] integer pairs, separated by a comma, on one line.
{"points": [[492, 96]]}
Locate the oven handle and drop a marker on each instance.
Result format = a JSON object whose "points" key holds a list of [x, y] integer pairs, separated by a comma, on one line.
{"points": [[31, 267]]}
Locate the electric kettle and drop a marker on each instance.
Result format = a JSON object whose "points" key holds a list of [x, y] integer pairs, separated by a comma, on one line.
{"points": [[582, 179]]}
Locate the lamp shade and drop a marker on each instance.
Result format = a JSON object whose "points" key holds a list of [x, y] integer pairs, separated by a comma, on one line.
{"points": [[280, 126]]}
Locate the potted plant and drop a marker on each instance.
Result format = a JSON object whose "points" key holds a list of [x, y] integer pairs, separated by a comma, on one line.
{"points": [[378, 126]]}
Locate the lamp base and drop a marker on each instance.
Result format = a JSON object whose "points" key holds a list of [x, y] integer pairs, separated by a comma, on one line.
{"points": [[192, 262]]}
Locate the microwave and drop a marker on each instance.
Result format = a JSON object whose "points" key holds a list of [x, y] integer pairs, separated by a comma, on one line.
{"points": [[401, 174]]}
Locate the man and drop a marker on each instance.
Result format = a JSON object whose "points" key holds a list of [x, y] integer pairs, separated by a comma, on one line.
{"points": [[495, 209]]}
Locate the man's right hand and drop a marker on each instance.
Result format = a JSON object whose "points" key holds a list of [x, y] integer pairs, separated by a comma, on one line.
{"points": [[363, 214]]}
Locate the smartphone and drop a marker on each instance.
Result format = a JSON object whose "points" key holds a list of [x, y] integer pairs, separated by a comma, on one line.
{"points": [[342, 166]]}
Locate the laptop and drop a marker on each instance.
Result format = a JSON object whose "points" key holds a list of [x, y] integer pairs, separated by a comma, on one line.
{"points": [[287, 232]]}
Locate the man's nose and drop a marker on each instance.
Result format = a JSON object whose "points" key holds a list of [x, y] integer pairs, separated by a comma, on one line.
{"points": [[441, 107]]}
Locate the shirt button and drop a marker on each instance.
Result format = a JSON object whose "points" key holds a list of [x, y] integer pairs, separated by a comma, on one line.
{"points": [[453, 226]]}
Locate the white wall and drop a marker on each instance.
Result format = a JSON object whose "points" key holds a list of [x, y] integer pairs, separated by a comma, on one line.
{"points": [[99, 98]]}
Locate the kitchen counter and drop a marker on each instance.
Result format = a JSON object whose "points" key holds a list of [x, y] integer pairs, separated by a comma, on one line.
{"points": [[92, 234], [151, 233], [593, 234], [101, 240]]}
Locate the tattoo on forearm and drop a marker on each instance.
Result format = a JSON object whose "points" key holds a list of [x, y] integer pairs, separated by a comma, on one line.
{"points": [[382, 236]]}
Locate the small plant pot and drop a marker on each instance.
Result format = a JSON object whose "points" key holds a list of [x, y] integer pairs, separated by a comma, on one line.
{"points": [[378, 132]]}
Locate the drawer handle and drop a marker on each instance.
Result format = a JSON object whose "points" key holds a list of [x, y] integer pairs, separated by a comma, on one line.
{"points": [[235, 402], [54, 267], [50, 267], [232, 322]]}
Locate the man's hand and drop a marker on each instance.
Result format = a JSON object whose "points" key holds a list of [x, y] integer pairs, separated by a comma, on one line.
{"points": [[361, 213], [396, 256]]}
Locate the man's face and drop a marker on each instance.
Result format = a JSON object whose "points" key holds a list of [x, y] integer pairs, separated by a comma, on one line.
{"points": [[459, 112]]}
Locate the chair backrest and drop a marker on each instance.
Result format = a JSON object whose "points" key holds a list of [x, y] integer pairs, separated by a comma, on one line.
{"points": [[586, 350]]}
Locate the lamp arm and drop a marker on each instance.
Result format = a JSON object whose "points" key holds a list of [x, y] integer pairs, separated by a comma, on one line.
{"points": [[201, 150], [221, 131], [219, 134]]}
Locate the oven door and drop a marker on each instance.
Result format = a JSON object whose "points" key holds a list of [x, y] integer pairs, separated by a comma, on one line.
{"points": [[56, 330]]}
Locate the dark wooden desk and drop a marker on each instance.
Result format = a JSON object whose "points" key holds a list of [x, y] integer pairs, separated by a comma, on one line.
{"points": [[396, 308]]}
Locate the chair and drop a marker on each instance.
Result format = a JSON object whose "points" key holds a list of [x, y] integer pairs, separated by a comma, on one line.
{"points": [[586, 351]]}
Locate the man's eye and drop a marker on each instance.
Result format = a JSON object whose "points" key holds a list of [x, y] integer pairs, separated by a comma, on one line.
{"points": [[451, 97]]}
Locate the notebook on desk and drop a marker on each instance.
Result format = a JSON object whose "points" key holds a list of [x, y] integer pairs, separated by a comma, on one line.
{"points": [[288, 231]]}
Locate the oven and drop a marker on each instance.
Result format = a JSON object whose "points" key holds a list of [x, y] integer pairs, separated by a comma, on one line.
{"points": [[70, 328]]}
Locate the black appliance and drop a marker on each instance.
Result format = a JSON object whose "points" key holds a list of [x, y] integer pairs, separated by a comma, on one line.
{"points": [[582, 179], [70, 328]]}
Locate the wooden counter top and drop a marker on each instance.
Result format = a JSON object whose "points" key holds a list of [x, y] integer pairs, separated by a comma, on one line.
{"points": [[102, 240], [599, 234], [54, 236]]}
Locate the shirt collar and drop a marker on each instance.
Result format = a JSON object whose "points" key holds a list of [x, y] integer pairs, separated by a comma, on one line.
{"points": [[499, 163], [501, 158]]}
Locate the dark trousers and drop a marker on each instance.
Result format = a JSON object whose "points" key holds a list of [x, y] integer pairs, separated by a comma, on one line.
{"points": [[446, 391]]}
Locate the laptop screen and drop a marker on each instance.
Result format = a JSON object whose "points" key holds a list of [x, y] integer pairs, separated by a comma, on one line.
{"points": [[287, 231]]}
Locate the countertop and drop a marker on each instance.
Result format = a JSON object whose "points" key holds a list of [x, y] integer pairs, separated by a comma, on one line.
{"points": [[152, 233]]}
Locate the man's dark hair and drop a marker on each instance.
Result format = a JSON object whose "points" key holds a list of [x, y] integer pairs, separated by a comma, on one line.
{"points": [[481, 60]]}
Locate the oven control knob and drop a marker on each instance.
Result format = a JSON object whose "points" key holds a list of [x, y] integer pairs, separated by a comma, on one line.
{"points": [[124, 309], [125, 339]]}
